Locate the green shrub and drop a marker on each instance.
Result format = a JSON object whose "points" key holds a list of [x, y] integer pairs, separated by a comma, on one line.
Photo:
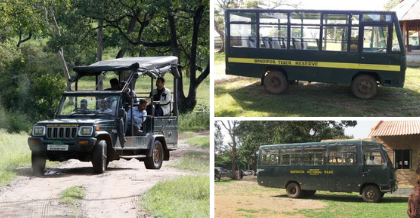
{"points": [[197, 120]]}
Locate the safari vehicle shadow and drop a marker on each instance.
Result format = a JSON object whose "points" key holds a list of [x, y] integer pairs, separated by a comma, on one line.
{"points": [[349, 198], [316, 100]]}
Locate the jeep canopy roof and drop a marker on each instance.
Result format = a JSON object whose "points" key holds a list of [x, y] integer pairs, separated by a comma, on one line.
{"points": [[140, 64]]}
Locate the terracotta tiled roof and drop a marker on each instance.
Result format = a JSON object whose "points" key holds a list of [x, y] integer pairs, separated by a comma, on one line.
{"points": [[393, 128], [408, 10]]}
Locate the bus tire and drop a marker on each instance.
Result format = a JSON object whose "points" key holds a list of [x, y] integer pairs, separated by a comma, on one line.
{"points": [[275, 82], [293, 190], [364, 87], [371, 193]]}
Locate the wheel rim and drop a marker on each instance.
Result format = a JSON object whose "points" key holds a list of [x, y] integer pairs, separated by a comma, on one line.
{"points": [[292, 190], [275, 82], [370, 194], [156, 155], [364, 87]]}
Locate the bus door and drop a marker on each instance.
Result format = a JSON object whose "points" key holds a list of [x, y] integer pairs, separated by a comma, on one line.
{"points": [[343, 170], [375, 169], [375, 35], [314, 168]]}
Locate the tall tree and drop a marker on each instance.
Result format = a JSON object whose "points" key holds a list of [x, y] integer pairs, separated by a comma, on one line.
{"points": [[231, 128]]}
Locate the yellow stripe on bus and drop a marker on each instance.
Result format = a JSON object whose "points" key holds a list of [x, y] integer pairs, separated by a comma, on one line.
{"points": [[382, 67]]}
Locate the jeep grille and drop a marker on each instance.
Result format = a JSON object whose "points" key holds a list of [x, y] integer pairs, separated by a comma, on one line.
{"points": [[61, 132]]}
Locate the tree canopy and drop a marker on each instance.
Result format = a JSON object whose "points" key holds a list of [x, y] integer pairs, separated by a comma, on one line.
{"points": [[80, 32], [252, 134]]}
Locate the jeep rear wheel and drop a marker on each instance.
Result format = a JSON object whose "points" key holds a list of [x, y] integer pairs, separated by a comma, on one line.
{"points": [[38, 163], [371, 193], [156, 159], [99, 161]]}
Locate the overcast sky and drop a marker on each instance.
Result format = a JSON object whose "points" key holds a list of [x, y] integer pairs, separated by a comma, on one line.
{"points": [[362, 129]]}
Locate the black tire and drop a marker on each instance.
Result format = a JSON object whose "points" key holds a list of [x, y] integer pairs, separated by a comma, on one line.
{"points": [[308, 193], [293, 190], [275, 82], [155, 160], [371, 193], [364, 87], [38, 163], [99, 160]]}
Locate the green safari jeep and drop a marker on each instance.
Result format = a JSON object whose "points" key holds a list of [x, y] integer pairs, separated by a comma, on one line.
{"points": [[81, 130]]}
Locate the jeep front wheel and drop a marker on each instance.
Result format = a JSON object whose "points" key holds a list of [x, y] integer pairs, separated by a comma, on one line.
{"points": [[38, 163], [156, 159], [99, 161]]}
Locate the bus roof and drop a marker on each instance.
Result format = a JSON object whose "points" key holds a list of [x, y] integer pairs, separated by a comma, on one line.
{"points": [[129, 63], [346, 142], [310, 10]]}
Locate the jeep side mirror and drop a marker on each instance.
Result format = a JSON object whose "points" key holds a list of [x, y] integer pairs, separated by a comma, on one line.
{"points": [[121, 112], [50, 113]]}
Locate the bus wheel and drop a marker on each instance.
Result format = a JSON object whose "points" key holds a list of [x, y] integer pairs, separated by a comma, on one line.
{"points": [[371, 193], [275, 82], [308, 193], [293, 190], [364, 87]]}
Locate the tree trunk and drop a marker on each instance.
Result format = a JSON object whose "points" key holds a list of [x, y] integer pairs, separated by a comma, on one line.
{"points": [[222, 37], [66, 73], [413, 210]]}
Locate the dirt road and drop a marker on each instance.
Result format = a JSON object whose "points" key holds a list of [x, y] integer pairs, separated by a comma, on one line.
{"points": [[245, 198], [115, 193]]}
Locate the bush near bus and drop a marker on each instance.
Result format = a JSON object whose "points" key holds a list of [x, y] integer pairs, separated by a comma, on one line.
{"points": [[362, 49]]}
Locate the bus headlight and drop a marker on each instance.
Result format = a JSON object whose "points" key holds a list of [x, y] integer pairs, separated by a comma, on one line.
{"points": [[38, 131], [85, 131]]}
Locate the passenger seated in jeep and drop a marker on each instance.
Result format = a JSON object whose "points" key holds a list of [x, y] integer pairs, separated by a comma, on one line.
{"points": [[139, 114], [161, 98], [103, 107]]}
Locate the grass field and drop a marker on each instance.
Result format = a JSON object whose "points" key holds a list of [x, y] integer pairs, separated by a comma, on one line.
{"points": [[258, 201], [237, 96]]}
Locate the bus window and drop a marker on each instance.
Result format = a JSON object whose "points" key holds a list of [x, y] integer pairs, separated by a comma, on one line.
{"points": [[375, 39], [273, 36], [354, 39], [377, 17], [335, 38], [290, 156], [335, 19], [305, 30], [315, 156], [373, 158], [269, 157], [395, 43], [243, 35], [242, 17], [342, 155]]}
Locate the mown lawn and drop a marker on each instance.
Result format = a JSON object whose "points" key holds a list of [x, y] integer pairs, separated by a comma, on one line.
{"points": [[236, 96]]}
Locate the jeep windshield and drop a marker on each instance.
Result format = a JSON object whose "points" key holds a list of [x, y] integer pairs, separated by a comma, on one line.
{"points": [[88, 105]]}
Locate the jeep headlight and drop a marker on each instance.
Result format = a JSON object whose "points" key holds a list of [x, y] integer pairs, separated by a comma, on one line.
{"points": [[38, 131], [85, 131]]}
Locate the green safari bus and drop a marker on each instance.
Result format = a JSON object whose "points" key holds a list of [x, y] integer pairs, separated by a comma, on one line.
{"points": [[361, 48], [335, 166]]}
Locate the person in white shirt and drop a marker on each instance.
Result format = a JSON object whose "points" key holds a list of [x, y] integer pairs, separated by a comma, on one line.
{"points": [[161, 98], [139, 115]]}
